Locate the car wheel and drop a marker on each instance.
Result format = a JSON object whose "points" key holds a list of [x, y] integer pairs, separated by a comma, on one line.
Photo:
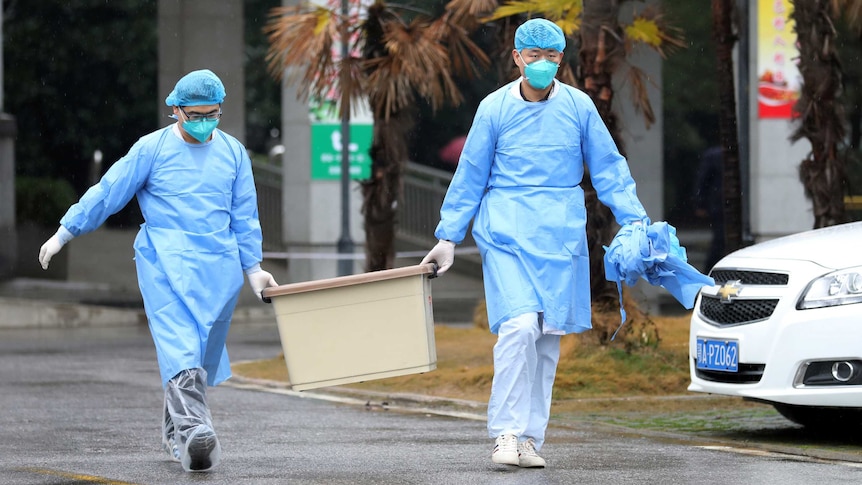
{"points": [[821, 417]]}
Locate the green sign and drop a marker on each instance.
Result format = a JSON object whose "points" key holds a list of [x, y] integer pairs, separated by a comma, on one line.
{"points": [[326, 151]]}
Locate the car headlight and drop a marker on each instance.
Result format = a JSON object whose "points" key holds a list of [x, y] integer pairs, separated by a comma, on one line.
{"points": [[842, 287]]}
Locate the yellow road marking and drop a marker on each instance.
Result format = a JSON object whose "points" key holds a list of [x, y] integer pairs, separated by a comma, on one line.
{"points": [[75, 476]]}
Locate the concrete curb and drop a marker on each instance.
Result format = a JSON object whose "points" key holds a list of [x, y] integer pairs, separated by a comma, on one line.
{"points": [[463, 409], [33, 313], [26, 313], [414, 403]]}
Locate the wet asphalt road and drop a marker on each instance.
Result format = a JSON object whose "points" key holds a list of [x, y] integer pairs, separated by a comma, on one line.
{"points": [[83, 406]]}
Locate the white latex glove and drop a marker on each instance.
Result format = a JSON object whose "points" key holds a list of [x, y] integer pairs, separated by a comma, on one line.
{"points": [[53, 246], [443, 254], [259, 280]]}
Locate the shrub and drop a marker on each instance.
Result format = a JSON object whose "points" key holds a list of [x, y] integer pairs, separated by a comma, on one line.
{"points": [[638, 334], [42, 201]]}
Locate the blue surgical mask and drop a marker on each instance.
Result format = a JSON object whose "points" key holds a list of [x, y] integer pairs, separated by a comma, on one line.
{"points": [[540, 74], [200, 130]]}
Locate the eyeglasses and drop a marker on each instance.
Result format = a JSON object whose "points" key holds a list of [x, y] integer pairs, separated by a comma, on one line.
{"points": [[197, 117]]}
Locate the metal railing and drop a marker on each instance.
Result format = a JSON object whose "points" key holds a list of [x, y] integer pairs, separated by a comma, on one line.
{"points": [[424, 189], [267, 178]]}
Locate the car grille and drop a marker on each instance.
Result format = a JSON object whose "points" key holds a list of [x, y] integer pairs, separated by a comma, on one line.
{"points": [[747, 374], [738, 312], [722, 276]]}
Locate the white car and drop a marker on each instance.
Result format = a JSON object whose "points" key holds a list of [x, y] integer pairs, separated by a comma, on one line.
{"points": [[783, 325]]}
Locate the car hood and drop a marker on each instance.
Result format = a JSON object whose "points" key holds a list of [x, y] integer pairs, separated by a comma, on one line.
{"points": [[832, 247]]}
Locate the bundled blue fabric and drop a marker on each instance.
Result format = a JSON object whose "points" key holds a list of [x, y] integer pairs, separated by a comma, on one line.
{"points": [[652, 252]]}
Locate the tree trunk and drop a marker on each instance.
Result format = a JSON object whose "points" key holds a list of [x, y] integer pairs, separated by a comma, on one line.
{"points": [[727, 128], [382, 192], [823, 171], [600, 49]]}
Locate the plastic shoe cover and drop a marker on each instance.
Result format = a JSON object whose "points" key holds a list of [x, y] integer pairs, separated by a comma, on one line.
{"points": [[172, 449], [527, 456], [169, 442], [187, 410], [505, 450], [203, 451]]}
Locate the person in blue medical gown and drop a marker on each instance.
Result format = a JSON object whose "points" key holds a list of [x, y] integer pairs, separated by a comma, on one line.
{"points": [[196, 191], [519, 181]]}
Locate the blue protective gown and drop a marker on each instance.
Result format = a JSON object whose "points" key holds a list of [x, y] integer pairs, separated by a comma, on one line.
{"points": [[518, 180], [202, 229]]}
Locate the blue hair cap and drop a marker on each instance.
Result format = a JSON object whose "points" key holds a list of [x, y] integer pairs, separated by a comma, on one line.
{"points": [[539, 34], [197, 88]]}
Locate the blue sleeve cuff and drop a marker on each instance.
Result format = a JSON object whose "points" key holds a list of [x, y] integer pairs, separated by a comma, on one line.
{"points": [[64, 235], [253, 269]]}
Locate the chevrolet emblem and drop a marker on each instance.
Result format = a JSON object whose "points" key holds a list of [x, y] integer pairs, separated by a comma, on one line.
{"points": [[729, 290]]}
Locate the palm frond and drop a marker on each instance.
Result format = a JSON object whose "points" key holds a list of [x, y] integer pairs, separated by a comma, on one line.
{"points": [[417, 61], [649, 28], [466, 57], [526, 7], [350, 86], [852, 10], [399, 61], [643, 30], [638, 80], [571, 21], [465, 12], [513, 8], [567, 14], [302, 40]]}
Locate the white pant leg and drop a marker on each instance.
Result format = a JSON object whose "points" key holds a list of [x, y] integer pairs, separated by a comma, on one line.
{"points": [[514, 371], [548, 355]]}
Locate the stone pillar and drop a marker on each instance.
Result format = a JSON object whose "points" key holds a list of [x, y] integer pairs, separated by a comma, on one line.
{"points": [[643, 145], [296, 194], [311, 208], [8, 234], [203, 35]]}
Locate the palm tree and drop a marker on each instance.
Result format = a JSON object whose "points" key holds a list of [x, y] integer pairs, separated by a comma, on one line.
{"points": [[401, 59], [821, 117], [722, 33], [603, 45], [398, 53], [852, 96]]}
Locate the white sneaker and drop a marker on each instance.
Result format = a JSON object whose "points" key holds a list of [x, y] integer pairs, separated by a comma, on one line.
{"points": [[527, 457], [506, 450]]}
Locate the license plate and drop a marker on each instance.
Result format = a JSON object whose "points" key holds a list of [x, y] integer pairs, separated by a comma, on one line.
{"points": [[720, 355]]}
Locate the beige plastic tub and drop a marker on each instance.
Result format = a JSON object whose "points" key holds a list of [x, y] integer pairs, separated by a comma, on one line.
{"points": [[356, 328]]}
